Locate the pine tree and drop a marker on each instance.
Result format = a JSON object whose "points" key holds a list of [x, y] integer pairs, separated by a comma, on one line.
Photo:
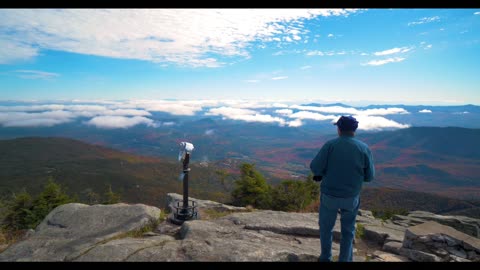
{"points": [[18, 214], [111, 197], [294, 195], [53, 195], [252, 188]]}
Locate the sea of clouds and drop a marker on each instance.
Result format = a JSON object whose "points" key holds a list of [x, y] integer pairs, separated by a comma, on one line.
{"points": [[125, 114]]}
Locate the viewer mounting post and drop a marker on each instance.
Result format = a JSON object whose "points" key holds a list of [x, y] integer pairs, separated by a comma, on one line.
{"points": [[188, 210]]}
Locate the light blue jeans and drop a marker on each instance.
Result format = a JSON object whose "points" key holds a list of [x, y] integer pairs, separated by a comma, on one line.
{"points": [[329, 207]]}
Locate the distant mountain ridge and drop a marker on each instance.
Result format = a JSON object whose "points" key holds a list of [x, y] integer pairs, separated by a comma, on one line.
{"points": [[444, 161], [389, 198], [82, 167]]}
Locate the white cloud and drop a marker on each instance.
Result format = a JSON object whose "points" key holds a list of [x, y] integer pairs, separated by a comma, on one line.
{"points": [[31, 108], [320, 53], [295, 123], [476, 13], [315, 53], [228, 111], [425, 20], [130, 112], [35, 74], [284, 111], [263, 118], [111, 122], [39, 119], [312, 115], [425, 111], [249, 104], [305, 67], [425, 46], [280, 78], [127, 114], [351, 111], [330, 35], [383, 111], [252, 81], [54, 114], [11, 51], [244, 115], [183, 36], [363, 54], [76, 110], [393, 51], [384, 61], [366, 122], [279, 105], [172, 107]]}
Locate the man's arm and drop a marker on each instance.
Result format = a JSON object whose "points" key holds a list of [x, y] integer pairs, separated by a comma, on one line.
{"points": [[369, 166], [319, 163]]}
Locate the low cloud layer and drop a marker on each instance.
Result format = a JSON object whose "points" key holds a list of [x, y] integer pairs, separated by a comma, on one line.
{"points": [[366, 122], [425, 111], [130, 113], [40, 119], [352, 111], [376, 123], [244, 115], [312, 116], [111, 122]]}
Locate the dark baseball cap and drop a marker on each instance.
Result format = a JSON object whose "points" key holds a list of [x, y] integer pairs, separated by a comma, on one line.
{"points": [[347, 123]]}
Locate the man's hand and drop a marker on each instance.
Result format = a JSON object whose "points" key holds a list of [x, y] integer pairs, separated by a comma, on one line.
{"points": [[317, 178]]}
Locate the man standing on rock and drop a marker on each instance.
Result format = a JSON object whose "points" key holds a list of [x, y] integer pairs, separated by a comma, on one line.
{"points": [[342, 164]]}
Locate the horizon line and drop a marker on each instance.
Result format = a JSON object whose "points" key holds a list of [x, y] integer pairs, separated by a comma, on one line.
{"points": [[323, 102]]}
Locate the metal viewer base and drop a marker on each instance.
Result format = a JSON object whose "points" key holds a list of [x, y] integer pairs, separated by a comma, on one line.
{"points": [[182, 214]]}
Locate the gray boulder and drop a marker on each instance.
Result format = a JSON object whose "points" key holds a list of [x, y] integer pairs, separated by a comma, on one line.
{"points": [[419, 256], [71, 230], [123, 249], [439, 243], [392, 247], [470, 226], [207, 241], [77, 232], [172, 198], [385, 232]]}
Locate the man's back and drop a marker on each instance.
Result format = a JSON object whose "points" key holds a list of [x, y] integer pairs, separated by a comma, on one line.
{"points": [[344, 164]]}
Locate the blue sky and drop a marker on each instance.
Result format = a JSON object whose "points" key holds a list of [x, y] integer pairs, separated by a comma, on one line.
{"points": [[411, 56]]}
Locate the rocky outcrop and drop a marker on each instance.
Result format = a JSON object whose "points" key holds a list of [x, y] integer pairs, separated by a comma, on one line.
{"points": [[172, 198], [77, 232], [432, 241], [71, 230], [470, 226]]}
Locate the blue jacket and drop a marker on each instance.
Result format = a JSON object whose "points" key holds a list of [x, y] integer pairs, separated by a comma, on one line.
{"points": [[344, 164]]}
